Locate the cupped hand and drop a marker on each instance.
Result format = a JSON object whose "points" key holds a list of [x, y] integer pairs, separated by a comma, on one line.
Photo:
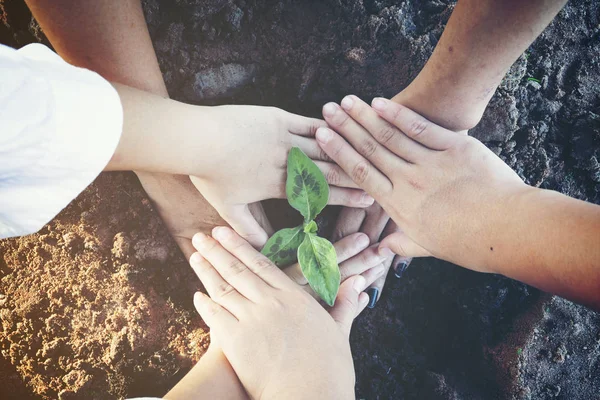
{"points": [[355, 256], [428, 179], [248, 161], [278, 339]]}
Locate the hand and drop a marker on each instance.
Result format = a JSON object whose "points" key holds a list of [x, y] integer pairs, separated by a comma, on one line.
{"points": [[354, 256], [248, 164], [280, 342], [431, 181], [376, 224]]}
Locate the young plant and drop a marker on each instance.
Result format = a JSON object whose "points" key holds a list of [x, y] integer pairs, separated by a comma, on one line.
{"points": [[308, 192]]}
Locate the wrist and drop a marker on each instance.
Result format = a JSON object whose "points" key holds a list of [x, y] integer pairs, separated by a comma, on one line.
{"points": [[443, 102]]}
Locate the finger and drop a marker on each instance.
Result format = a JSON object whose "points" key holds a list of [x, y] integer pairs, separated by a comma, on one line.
{"points": [[400, 265], [231, 269], [386, 134], [310, 147], [241, 220], [369, 258], [360, 139], [258, 212], [349, 197], [415, 126], [376, 288], [259, 266], [349, 221], [404, 246], [347, 305], [362, 172], [303, 126], [218, 289], [373, 274], [215, 316], [345, 248], [375, 223], [335, 175]]}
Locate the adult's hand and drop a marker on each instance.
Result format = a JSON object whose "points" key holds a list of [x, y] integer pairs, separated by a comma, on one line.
{"points": [[427, 178]]}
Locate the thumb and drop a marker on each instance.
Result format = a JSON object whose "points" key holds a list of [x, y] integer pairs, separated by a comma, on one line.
{"points": [[404, 246], [349, 303], [241, 220]]}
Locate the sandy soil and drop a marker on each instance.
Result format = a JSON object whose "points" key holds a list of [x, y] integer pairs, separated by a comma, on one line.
{"points": [[98, 304]]}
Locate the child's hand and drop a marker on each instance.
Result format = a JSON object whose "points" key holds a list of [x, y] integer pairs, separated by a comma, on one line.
{"points": [[248, 164], [281, 343], [431, 181]]}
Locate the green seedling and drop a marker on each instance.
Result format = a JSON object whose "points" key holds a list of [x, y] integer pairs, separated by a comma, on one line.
{"points": [[308, 192], [530, 79]]}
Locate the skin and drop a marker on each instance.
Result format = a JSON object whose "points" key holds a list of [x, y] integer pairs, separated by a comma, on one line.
{"points": [[482, 39], [259, 317], [111, 37], [145, 115], [456, 200]]}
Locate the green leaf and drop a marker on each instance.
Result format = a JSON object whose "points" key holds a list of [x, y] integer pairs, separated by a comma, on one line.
{"points": [[306, 187], [311, 227], [318, 262], [282, 247]]}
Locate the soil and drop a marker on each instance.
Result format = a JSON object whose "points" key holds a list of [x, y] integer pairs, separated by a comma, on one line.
{"points": [[98, 304]]}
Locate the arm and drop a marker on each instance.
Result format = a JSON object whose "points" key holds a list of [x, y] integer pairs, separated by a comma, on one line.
{"points": [[109, 37], [482, 39], [458, 201], [211, 378]]}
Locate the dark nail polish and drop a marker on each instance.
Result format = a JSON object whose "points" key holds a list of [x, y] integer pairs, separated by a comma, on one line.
{"points": [[400, 268], [373, 293]]}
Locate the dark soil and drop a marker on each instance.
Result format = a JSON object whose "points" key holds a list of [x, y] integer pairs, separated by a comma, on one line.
{"points": [[98, 304]]}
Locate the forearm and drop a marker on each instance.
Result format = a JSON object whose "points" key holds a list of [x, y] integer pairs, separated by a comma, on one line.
{"points": [[162, 135], [211, 378], [482, 39], [547, 240], [109, 37]]}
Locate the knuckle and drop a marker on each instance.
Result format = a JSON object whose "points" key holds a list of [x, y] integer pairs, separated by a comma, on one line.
{"points": [[418, 127], [323, 155], [333, 176], [368, 148], [360, 172], [386, 134], [262, 264], [224, 289], [236, 267]]}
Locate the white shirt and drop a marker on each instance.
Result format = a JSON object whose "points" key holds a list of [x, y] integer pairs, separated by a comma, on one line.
{"points": [[59, 127]]}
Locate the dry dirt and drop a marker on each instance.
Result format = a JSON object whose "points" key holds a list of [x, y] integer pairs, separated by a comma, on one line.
{"points": [[98, 304]]}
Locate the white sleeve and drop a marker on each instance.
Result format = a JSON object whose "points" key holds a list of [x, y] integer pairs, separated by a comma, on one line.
{"points": [[59, 127]]}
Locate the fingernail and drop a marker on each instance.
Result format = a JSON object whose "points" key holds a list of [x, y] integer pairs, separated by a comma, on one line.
{"points": [[400, 268], [362, 241], [347, 103], [359, 284], [329, 109], [221, 233], [385, 252], [323, 135], [372, 292], [379, 103], [367, 199], [196, 258]]}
